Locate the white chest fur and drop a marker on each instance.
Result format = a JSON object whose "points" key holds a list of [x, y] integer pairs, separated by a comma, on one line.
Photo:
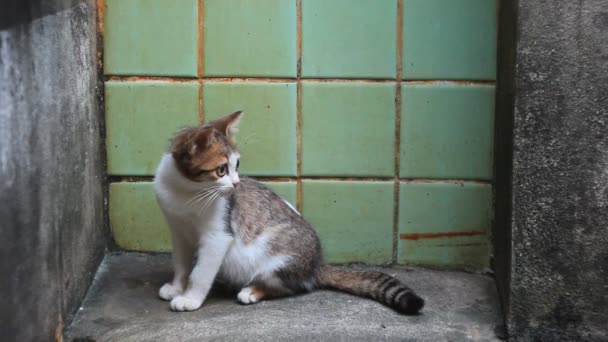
{"points": [[245, 263]]}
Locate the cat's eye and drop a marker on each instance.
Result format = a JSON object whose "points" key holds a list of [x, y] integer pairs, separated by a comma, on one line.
{"points": [[238, 162], [221, 170]]}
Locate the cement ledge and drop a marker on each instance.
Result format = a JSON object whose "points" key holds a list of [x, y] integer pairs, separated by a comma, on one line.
{"points": [[122, 305]]}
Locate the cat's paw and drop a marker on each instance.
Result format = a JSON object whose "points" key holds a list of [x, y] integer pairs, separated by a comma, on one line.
{"points": [[185, 303], [248, 295], [169, 291]]}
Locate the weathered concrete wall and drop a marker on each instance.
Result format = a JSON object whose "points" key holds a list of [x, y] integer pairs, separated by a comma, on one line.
{"points": [[51, 165], [559, 220]]}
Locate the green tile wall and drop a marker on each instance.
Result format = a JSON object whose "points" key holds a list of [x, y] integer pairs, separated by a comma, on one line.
{"points": [[374, 118]]}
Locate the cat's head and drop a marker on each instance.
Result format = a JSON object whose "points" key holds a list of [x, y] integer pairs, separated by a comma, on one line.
{"points": [[207, 154]]}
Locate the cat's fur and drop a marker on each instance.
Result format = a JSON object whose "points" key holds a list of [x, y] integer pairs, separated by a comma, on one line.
{"points": [[242, 232]]}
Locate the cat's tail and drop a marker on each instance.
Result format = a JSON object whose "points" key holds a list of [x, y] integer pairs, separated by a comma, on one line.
{"points": [[379, 286]]}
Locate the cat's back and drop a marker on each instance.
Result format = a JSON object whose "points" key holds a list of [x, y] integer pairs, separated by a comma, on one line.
{"points": [[258, 209], [253, 201]]}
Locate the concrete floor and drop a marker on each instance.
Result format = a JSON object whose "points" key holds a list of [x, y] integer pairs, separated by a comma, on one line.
{"points": [[122, 305]]}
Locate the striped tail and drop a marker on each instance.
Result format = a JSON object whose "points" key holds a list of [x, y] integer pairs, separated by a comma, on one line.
{"points": [[375, 285]]}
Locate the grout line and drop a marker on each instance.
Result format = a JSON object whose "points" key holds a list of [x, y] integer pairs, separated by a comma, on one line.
{"points": [[199, 33], [134, 178], [444, 181], [398, 113], [299, 106], [130, 179], [186, 79], [275, 179], [151, 79], [201, 114], [451, 82]]}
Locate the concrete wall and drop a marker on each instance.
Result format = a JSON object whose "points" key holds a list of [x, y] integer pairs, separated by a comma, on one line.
{"points": [[51, 165], [559, 185]]}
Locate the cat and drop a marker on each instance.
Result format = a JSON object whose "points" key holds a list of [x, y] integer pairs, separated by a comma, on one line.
{"points": [[240, 231]]}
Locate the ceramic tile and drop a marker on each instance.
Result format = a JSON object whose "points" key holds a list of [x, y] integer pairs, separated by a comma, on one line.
{"points": [[349, 38], [453, 39], [447, 131], [354, 219], [150, 37], [348, 129], [249, 38]]}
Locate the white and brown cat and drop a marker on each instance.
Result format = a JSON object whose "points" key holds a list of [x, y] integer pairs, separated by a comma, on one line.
{"points": [[239, 230]]}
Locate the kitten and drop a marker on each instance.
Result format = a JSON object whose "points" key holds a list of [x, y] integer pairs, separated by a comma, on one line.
{"points": [[241, 232]]}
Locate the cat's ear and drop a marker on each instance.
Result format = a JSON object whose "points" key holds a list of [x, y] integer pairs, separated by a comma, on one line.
{"points": [[189, 141], [228, 125]]}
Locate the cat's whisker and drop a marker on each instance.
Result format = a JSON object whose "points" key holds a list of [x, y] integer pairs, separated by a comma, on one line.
{"points": [[208, 201], [201, 194], [207, 195], [196, 195], [204, 202]]}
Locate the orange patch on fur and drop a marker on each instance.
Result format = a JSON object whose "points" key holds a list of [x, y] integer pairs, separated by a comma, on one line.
{"points": [[258, 292]]}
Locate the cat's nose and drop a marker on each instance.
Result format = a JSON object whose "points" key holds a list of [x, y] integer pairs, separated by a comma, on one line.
{"points": [[234, 184]]}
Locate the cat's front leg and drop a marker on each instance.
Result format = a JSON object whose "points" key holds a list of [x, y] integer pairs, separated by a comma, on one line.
{"points": [[183, 257], [211, 251]]}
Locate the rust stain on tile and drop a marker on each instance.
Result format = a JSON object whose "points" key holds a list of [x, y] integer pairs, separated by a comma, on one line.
{"points": [[472, 244], [419, 236], [249, 79], [100, 15], [100, 6]]}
